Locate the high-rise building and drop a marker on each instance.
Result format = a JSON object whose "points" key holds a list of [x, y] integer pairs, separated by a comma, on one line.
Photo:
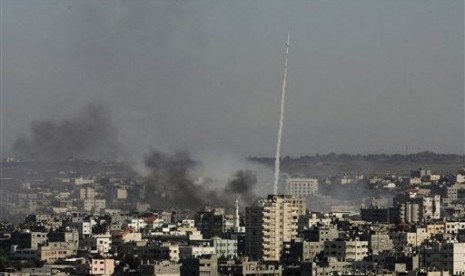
{"points": [[269, 223]]}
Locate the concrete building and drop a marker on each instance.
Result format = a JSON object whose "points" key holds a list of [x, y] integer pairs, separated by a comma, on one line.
{"points": [[68, 236], [245, 267], [448, 256], [55, 251], [299, 250], [380, 242], [270, 223], [346, 250], [137, 224], [412, 208], [100, 243], [160, 268], [301, 187], [460, 178], [204, 265], [321, 233], [104, 267], [210, 222], [159, 252], [84, 228], [413, 238], [87, 193], [226, 248], [30, 240], [188, 252]]}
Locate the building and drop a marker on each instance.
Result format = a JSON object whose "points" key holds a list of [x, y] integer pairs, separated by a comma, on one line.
{"points": [[161, 268], [270, 223], [87, 193], [55, 251], [448, 256], [299, 250], [225, 247], [30, 240], [321, 233], [210, 222], [102, 267], [301, 187], [203, 265], [346, 251], [380, 242], [413, 208], [188, 252]]}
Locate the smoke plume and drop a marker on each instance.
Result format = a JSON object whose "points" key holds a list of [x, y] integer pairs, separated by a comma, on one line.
{"points": [[281, 120], [90, 134], [177, 180], [170, 183], [242, 185]]}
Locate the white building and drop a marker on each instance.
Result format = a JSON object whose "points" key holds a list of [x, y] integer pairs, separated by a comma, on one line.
{"points": [[137, 224], [225, 247], [188, 252], [460, 178]]}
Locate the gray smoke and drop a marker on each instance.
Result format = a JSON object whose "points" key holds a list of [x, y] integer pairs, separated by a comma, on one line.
{"points": [[174, 180], [170, 184], [242, 186], [89, 135]]}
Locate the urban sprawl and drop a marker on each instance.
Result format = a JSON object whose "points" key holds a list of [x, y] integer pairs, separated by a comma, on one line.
{"points": [[93, 218]]}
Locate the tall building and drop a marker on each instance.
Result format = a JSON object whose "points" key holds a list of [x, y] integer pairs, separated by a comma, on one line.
{"points": [[301, 187], [270, 223], [413, 208]]}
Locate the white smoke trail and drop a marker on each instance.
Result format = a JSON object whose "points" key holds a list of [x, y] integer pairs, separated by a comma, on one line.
{"points": [[281, 120]]}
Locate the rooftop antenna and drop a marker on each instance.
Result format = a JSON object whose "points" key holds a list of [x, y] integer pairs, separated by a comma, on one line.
{"points": [[281, 119]]}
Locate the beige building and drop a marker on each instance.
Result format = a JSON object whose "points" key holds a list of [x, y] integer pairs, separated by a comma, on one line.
{"points": [[270, 223], [380, 242], [87, 193], [353, 250], [301, 187], [54, 251], [435, 228], [163, 267], [96, 267], [415, 238]]}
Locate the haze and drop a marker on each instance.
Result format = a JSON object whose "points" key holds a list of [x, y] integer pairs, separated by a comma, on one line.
{"points": [[364, 76]]}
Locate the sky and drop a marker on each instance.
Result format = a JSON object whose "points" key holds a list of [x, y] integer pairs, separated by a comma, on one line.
{"points": [[364, 76]]}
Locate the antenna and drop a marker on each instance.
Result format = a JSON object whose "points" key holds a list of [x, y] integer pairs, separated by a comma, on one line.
{"points": [[281, 119]]}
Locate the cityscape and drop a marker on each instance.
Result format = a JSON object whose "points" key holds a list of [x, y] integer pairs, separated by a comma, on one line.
{"points": [[81, 217], [269, 137]]}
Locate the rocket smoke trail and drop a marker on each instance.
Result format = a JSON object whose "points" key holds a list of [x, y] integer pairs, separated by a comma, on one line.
{"points": [[281, 119]]}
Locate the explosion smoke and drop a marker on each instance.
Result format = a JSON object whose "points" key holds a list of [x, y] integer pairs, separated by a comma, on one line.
{"points": [[242, 185], [90, 134], [172, 183], [281, 121]]}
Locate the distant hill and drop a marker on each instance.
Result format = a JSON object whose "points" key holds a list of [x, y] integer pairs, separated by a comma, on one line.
{"points": [[332, 163]]}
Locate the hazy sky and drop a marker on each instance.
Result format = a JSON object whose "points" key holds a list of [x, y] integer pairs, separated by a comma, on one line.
{"points": [[364, 76]]}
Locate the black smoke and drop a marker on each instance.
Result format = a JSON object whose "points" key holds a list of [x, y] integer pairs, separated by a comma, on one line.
{"points": [[89, 135], [171, 183], [242, 185]]}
